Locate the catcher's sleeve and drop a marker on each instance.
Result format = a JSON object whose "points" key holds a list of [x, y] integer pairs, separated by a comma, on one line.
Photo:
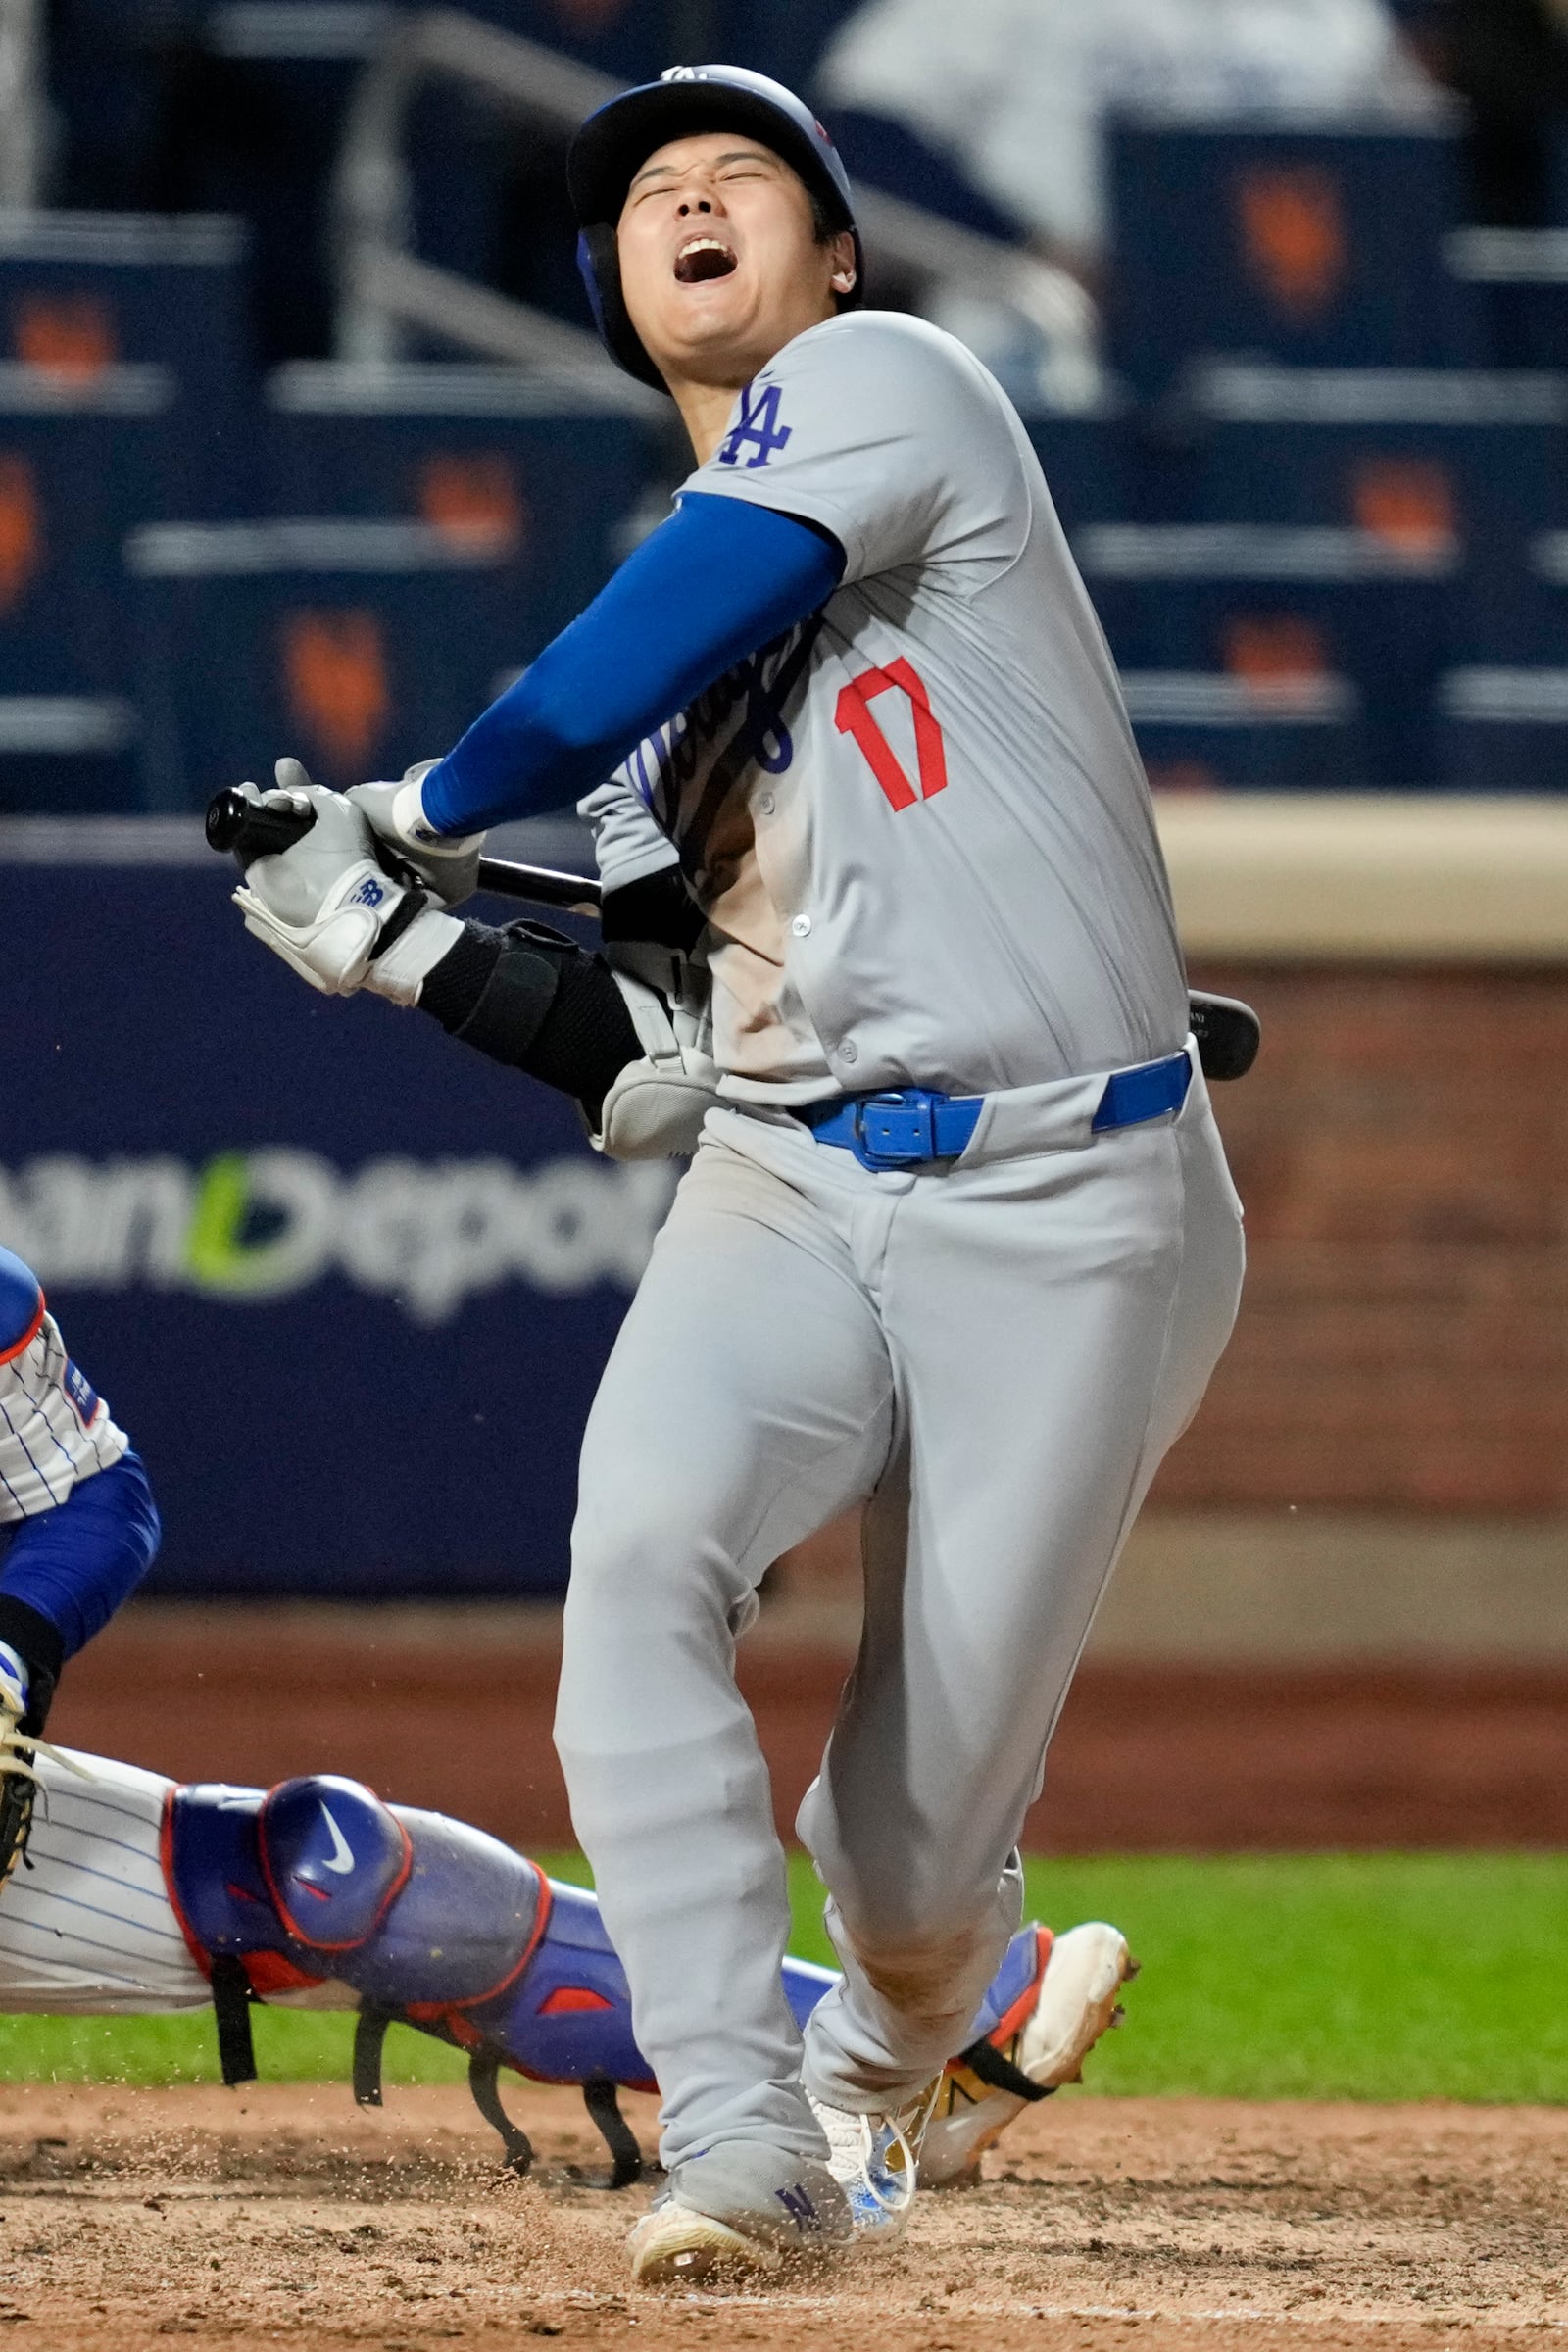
{"points": [[67, 1570]]}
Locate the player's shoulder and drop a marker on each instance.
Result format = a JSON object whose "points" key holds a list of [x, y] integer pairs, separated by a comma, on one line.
{"points": [[905, 354], [21, 1306]]}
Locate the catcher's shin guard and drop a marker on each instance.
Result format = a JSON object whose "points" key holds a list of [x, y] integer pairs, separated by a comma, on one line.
{"points": [[431, 1923]]}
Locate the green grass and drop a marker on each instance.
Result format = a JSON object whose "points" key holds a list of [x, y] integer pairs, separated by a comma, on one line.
{"points": [[1342, 1976]]}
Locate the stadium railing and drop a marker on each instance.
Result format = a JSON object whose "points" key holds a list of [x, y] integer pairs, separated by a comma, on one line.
{"points": [[387, 291]]}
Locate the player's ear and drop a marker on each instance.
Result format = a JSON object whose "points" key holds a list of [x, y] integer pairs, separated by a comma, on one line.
{"points": [[844, 271]]}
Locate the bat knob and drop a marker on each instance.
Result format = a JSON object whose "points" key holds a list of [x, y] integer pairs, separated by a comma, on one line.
{"points": [[235, 822], [1228, 1033]]}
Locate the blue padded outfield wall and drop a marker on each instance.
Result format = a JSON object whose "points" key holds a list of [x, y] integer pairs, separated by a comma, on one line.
{"points": [[348, 1285]]}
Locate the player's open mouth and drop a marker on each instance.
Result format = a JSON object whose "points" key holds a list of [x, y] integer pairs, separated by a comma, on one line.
{"points": [[702, 257]]}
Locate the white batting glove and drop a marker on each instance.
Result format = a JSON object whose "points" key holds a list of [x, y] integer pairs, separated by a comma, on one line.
{"points": [[328, 909], [394, 813]]}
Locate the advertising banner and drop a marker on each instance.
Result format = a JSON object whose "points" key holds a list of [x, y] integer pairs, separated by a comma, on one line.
{"points": [[348, 1284]]}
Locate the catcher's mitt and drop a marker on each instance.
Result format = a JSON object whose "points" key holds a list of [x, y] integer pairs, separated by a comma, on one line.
{"points": [[21, 1722], [18, 1783]]}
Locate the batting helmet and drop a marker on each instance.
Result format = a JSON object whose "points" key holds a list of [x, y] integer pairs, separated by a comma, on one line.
{"points": [[621, 135]]}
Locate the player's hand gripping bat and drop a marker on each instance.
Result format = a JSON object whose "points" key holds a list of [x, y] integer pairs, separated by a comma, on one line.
{"points": [[1228, 1032], [251, 831]]}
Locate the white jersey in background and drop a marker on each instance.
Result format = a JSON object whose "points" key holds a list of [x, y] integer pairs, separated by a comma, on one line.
{"points": [[918, 823], [1017, 91]]}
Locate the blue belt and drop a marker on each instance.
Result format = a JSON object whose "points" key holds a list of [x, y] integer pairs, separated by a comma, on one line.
{"points": [[913, 1124]]}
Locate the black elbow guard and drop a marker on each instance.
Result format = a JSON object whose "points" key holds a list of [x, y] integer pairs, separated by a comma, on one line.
{"points": [[531, 998]]}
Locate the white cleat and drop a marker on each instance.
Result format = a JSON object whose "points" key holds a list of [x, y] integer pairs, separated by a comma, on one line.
{"points": [[742, 2208], [673, 2245], [875, 2160], [1076, 2003]]}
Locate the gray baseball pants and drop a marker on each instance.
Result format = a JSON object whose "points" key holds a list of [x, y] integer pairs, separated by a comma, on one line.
{"points": [[994, 1353]]}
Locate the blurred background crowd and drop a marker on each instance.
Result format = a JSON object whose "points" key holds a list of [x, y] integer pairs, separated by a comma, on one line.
{"points": [[1280, 285]]}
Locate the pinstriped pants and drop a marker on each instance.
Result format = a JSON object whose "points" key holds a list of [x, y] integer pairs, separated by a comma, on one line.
{"points": [[89, 1930]]}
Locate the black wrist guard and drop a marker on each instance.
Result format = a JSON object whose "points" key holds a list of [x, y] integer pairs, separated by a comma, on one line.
{"points": [[37, 1644]]}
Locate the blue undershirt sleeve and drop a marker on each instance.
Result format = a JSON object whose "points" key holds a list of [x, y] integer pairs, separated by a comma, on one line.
{"points": [[75, 1564], [715, 582]]}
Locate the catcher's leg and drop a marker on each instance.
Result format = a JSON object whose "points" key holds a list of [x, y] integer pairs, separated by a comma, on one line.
{"points": [[1098, 1286], [86, 1927], [745, 1404]]}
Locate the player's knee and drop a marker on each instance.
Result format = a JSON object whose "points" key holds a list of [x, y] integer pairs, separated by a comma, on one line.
{"points": [[898, 1924], [651, 1544], [921, 1913]]}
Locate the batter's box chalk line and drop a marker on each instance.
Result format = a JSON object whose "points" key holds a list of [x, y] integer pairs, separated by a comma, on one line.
{"points": [[969, 2307]]}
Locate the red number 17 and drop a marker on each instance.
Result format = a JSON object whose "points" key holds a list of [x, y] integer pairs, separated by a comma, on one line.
{"points": [[853, 717]]}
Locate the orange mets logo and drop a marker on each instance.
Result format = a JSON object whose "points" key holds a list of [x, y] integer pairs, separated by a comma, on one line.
{"points": [[1408, 503], [1292, 236], [1274, 652], [21, 530], [67, 336], [474, 499], [335, 681]]}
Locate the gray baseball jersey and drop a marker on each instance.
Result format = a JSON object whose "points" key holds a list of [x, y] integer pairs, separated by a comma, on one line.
{"points": [[918, 822]]}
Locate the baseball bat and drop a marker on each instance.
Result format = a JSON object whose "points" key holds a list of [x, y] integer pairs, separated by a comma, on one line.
{"points": [[249, 830], [1228, 1032]]}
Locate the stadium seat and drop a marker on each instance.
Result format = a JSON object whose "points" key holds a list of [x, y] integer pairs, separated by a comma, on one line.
{"points": [[1201, 731], [1087, 464], [1503, 707], [68, 754], [83, 295], [1445, 467], [471, 451], [80, 461], [1301, 632], [357, 645], [1437, 484], [1505, 729], [1319, 249], [1519, 279]]}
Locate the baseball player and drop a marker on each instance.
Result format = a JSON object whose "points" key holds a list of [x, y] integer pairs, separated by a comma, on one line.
{"points": [[78, 1529], [136, 1895], [958, 1243]]}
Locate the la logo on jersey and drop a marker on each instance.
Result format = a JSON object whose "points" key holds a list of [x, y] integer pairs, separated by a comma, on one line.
{"points": [[85, 1401], [757, 428]]}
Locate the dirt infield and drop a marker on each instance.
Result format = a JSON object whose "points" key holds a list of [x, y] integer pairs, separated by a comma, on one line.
{"points": [[277, 2214], [451, 1708]]}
